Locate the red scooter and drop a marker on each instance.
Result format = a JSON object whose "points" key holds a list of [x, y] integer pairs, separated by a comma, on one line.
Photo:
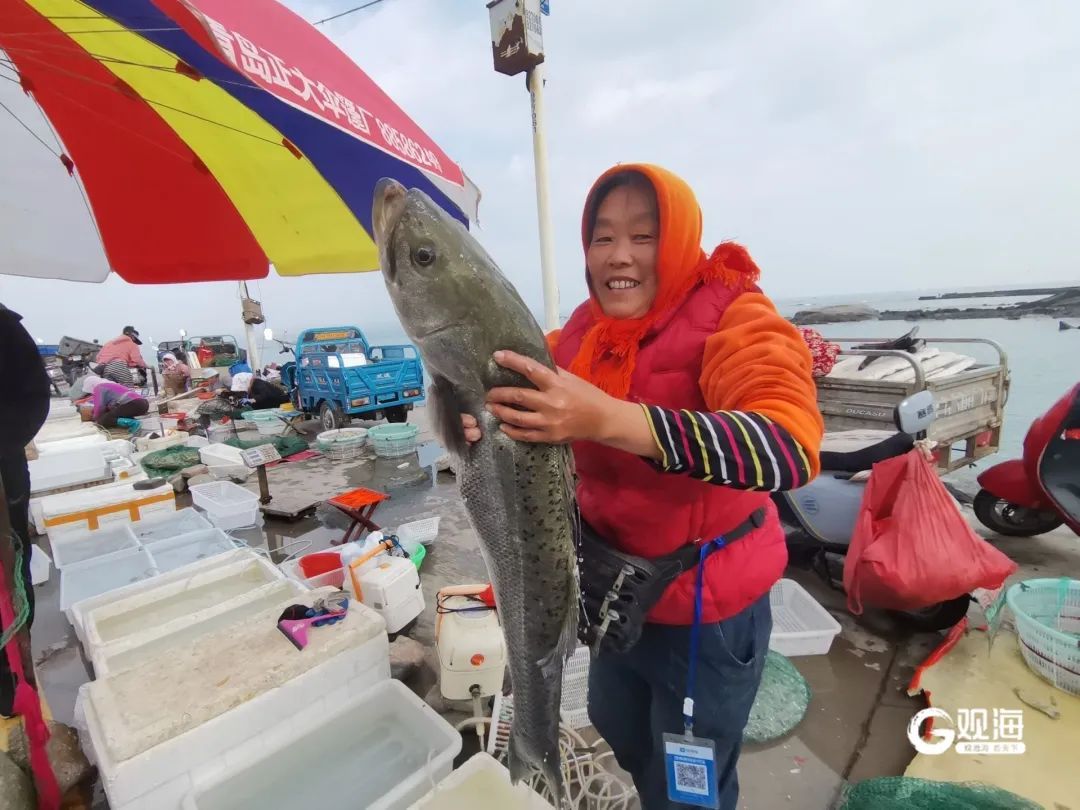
{"points": [[1041, 491]]}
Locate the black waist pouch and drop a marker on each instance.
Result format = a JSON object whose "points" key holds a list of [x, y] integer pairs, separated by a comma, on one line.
{"points": [[618, 590]]}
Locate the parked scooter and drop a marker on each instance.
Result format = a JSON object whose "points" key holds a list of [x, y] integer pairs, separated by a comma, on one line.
{"points": [[1040, 491], [819, 518]]}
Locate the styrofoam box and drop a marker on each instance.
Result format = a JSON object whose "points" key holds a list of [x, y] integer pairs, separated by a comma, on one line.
{"points": [[103, 574], [481, 783], [58, 429], [161, 777], [379, 750], [78, 466], [173, 524], [176, 552], [801, 626], [130, 650], [37, 503], [113, 503], [61, 409], [81, 612], [64, 445], [77, 547]]}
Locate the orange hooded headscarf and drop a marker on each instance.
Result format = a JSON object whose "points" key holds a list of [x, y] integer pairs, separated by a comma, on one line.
{"points": [[609, 348]]}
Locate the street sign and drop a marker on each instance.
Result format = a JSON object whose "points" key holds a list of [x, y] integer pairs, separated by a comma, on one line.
{"points": [[545, 7], [517, 37]]}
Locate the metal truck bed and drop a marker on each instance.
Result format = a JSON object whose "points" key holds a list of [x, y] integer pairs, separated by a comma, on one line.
{"points": [[969, 406]]}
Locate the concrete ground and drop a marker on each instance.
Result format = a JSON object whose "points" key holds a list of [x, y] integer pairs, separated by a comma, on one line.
{"points": [[855, 727]]}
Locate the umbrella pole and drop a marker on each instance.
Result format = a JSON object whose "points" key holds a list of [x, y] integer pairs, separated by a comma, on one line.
{"points": [[543, 208]]}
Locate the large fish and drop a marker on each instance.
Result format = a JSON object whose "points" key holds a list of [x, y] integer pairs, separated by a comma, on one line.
{"points": [[459, 309]]}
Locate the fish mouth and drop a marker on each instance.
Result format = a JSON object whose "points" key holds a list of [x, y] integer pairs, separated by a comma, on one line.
{"points": [[388, 204]]}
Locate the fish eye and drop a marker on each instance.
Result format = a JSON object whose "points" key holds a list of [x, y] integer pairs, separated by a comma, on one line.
{"points": [[424, 256]]}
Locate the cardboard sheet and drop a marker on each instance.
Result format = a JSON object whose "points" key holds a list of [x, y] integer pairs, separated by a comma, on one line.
{"points": [[970, 677]]}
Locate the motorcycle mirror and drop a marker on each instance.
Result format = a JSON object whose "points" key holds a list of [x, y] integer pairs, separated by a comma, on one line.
{"points": [[915, 414], [268, 333]]}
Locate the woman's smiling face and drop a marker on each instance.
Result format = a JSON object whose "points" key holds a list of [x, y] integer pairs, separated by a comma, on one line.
{"points": [[621, 255]]}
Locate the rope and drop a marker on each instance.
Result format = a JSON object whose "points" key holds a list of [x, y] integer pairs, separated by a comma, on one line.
{"points": [[18, 597]]}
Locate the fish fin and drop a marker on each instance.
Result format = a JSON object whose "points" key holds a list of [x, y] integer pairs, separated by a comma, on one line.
{"points": [[551, 664], [446, 416], [518, 765]]}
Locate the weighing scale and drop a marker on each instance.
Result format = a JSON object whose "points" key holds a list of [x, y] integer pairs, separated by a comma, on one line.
{"points": [[257, 458]]}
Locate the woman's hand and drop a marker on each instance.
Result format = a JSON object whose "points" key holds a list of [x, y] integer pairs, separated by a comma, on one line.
{"points": [[562, 408]]}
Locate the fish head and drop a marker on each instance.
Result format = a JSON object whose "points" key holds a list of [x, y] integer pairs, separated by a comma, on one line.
{"points": [[428, 260]]}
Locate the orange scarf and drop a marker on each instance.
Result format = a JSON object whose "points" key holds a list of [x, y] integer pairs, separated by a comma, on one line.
{"points": [[608, 351]]}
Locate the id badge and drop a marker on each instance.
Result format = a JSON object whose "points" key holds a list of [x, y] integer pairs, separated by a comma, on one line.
{"points": [[690, 763]]}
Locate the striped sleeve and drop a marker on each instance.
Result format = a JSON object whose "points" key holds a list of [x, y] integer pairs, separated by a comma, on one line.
{"points": [[739, 449]]}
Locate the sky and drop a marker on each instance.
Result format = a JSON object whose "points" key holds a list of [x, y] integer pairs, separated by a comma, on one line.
{"points": [[852, 147]]}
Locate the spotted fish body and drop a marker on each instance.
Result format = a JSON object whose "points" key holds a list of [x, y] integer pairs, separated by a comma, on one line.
{"points": [[458, 309]]}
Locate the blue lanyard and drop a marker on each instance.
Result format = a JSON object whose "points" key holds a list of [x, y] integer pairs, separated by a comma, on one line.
{"points": [[695, 632]]}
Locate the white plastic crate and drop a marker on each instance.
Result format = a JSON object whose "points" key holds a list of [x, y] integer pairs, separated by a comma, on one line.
{"points": [[481, 783], [156, 602], [77, 547], [418, 533], [103, 574], [801, 626], [174, 524], [227, 505], [380, 750], [176, 552]]}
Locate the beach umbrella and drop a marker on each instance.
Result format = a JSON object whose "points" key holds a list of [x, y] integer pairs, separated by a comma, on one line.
{"points": [[196, 140]]}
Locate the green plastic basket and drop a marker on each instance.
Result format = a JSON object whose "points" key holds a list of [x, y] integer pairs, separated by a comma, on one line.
{"points": [[393, 441], [418, 556]]}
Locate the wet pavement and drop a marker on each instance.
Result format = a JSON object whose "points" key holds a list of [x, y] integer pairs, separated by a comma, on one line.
{"points": [[855, 727]]}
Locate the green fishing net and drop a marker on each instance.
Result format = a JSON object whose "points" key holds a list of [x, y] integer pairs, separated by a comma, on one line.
{"points": [[908, 793], [781, 701], [286, 445], [170, 460]]}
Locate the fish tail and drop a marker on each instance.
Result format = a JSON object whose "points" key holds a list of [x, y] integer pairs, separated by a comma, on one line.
{"points": [[550, 769]]}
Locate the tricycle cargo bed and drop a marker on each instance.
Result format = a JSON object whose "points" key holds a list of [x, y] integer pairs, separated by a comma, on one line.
{"points": [[969, 406]]}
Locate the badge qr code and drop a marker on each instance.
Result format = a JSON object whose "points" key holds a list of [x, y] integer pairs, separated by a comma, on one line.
{"points": [[691, 777], [691, 770]]}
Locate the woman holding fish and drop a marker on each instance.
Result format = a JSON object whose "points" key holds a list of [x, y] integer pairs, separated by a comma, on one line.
{"points": [[687, 399]]}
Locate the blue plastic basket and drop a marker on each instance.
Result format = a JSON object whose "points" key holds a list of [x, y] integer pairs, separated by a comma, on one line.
{"points": [[1047, 613], [393, 441]]}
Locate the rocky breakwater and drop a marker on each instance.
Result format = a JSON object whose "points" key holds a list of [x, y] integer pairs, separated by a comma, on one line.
{"points": [[1065, 303]]}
